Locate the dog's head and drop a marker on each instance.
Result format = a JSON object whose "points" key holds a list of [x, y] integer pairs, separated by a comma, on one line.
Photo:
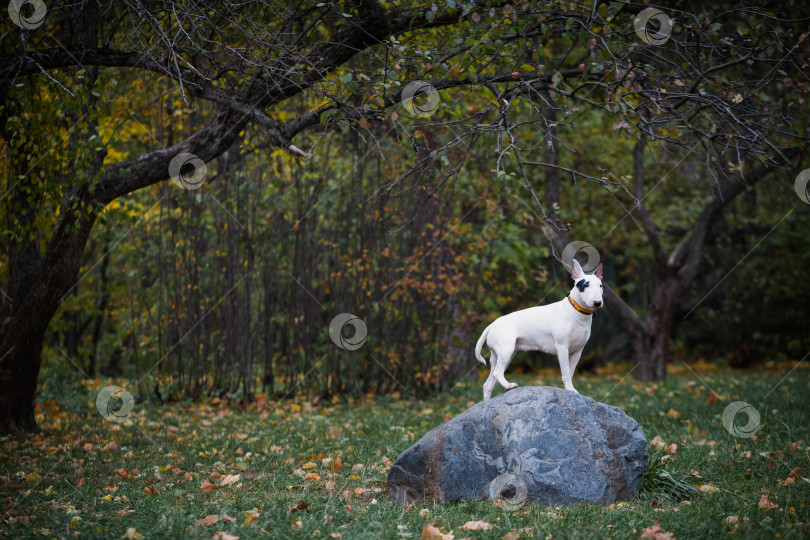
{"points": [[587, 291]]}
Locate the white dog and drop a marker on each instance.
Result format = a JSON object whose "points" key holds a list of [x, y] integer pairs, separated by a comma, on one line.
{"points": [[561, 328]]}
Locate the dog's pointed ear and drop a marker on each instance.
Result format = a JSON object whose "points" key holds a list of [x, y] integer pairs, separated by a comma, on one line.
{"points": [[599, 271], [576, 270]]}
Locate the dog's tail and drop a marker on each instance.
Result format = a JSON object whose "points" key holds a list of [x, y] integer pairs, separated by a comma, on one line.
{"points": [[480, 344]]}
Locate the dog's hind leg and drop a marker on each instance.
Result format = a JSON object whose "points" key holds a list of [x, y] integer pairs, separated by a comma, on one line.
{"points": [[489, 385], [499, 369]]}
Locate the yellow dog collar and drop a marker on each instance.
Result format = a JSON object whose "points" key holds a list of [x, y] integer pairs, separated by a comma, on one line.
{"points": [[578, 307]]}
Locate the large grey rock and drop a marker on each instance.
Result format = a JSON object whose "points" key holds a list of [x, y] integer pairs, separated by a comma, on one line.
{"points": [[533, 443]]}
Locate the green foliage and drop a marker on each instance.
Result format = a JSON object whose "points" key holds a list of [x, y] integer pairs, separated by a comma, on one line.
{"points": [[426, 228], [661, 480]]}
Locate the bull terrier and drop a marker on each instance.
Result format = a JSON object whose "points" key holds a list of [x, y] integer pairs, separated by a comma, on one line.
{"points": [[561, 328]]}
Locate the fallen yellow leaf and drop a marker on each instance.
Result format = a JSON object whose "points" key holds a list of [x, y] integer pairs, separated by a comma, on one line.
{"points": [[229, 479], [251, 517], [431, 532], [479, 525], [656, 533], [132, 534], [208, 520], [765, 504]]}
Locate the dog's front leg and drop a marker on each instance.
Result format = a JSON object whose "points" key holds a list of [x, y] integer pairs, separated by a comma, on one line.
{"points": [[573, 360], [565, 367]]}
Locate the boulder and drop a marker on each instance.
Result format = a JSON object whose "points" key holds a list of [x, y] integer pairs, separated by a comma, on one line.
{"points": [[530, 444]]}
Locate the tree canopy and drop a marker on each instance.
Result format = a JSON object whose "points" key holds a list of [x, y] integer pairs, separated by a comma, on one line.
{"points": [[420, 166]]}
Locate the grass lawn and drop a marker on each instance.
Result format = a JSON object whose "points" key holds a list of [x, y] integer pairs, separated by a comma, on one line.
{"points": [[297, 469]]}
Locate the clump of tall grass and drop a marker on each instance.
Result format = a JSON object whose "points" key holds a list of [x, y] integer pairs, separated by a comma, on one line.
{"points": [[672, 483]]}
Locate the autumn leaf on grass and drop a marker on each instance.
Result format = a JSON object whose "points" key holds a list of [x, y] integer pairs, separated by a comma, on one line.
{"points": [[656, 533], [208, 520], [229, 479], [312, 476], [207, 486], [479, 525], [132, 534], [251, 517], [300, 507], [214, 518], [765, 504], [708, 488], [657, 442], [795, 446], [122, 473], [431, 532], [222, 535], [791, 478], [672, 413]]}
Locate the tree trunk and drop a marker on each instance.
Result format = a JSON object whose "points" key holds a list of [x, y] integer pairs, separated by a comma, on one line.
{"points": [[18, 383], [27, 319], [651, 347]]}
